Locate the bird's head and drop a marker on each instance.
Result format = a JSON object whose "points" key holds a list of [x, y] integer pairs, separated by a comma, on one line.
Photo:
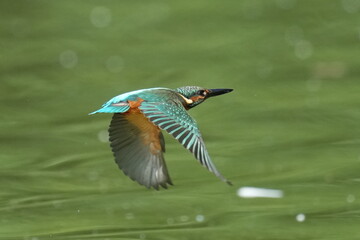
{"points": [[194, 95]]}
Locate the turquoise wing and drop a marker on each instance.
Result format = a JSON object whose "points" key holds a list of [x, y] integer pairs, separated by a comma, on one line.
{"points": [[172, 117], [113, 107], [119, 103]]}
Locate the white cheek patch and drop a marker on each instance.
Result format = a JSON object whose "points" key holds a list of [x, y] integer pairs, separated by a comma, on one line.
{"points": [[188, 101]]}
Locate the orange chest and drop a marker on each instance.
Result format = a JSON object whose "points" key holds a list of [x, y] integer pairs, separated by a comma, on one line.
{"points": [[149, 133]]}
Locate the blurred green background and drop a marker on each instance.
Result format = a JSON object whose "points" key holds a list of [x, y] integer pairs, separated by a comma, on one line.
{"points": [[292, 123]]}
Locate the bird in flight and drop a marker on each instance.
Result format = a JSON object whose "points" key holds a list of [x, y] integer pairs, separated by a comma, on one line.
{"points": [[135, 130]]}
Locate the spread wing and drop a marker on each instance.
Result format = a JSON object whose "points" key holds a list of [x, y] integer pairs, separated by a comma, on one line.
{"points": [[138, 147], [172, 117]]}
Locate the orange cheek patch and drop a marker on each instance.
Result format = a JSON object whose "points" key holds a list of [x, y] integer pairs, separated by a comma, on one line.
{"points": [[196, 98]]}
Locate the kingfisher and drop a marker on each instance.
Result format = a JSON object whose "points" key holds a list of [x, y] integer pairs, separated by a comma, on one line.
{"points": [[135, 133]]}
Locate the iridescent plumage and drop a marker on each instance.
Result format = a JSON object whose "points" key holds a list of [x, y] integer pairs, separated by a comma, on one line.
{"points": [[135, 130]]}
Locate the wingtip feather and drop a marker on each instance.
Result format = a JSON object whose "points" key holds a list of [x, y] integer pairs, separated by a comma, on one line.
{"points": [[229, 182]]}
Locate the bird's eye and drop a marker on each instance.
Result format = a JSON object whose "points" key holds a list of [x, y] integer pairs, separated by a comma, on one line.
{"points": [[201, 93]]}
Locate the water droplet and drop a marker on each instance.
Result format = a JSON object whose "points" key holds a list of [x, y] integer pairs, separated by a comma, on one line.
{"points": [[199, 218], [350, 198], [286, 4], [303, 49], [100, 16], [114, 64], [68, 59], [300, 217], [78, 211], [103, 136]]}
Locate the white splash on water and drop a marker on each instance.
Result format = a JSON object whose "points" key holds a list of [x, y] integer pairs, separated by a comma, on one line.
{"points": [[254, 192]]}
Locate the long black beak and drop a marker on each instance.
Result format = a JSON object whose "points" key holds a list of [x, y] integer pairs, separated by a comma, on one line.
{"points": [[216, 92]]}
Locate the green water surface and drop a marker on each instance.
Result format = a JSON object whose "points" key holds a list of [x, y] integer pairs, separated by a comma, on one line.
{"points": [[292, 123]]}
